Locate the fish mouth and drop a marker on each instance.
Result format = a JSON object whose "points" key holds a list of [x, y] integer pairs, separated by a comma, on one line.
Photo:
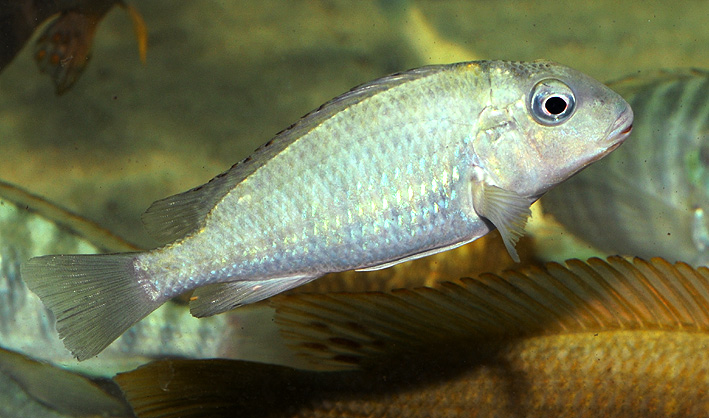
{"points": [[620, 130], [617, 134]]}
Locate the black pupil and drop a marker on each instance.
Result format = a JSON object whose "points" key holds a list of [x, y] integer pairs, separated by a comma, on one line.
{"points": [[555, 105]]}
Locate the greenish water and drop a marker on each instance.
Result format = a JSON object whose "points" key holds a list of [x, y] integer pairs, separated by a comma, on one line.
{"points": [[223, 77]]}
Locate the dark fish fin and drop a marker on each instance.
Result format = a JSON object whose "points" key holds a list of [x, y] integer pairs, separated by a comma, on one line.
{"points": [[212, 388], [94, 298], [220, 297], [345, 331], [64, 49], [631, 209], [507, 210], [67, 393], [176, 216]]}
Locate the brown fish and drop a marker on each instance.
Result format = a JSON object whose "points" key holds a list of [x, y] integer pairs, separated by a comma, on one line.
{"points": [[611, 338], [64, 48]]}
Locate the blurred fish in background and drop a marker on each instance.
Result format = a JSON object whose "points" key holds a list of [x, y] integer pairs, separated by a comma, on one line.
{"points": [[64, 48], [650, 197], [613, 338], [418, 34], [29, 388], [29, 226]]}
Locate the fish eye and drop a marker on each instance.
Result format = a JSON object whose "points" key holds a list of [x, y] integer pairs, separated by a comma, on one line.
{"points": [[551, 102]]}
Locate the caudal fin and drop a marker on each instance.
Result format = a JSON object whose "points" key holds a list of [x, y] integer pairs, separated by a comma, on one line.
{"points": [[95, 298]]}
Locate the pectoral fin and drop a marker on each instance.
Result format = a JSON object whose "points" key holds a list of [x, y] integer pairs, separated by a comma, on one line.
{"points": [[507, 210]]}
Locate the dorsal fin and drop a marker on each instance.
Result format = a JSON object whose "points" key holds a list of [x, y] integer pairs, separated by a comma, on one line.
{"points": [[174, 217], [339, 331]]}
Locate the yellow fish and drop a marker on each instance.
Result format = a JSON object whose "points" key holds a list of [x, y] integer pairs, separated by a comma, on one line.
{"points": [[613, 338]]}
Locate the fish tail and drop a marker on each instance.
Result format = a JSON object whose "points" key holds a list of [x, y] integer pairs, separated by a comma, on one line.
{"points": [[94, 298]]}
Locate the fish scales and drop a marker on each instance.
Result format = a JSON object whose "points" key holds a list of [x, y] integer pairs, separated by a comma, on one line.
{"points": [[405, 166], [566, 376], [289, 233]]}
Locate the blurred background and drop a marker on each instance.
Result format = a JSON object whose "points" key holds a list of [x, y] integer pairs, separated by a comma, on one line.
{"points": [[223, 77]]}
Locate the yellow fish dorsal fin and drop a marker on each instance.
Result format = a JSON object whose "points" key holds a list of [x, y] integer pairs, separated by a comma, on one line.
{"points": [[339, 331]]}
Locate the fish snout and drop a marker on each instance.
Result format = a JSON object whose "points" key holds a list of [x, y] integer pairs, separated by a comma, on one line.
{"points": [[620, 130]]}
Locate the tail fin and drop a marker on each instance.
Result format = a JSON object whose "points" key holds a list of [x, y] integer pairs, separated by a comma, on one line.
{"points": [[95, 298]]}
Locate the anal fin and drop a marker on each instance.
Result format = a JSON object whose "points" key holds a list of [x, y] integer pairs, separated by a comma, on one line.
{"points": [[220, 297]]}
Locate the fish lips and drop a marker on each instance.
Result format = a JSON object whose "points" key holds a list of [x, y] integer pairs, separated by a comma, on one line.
{"points": [[620, 131]]}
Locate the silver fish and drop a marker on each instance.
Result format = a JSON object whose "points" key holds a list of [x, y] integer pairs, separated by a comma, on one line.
{"points": [[405, 166], [652, 195]]}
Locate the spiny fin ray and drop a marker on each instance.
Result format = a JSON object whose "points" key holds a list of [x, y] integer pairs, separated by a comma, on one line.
{"points": [[340, 331]]}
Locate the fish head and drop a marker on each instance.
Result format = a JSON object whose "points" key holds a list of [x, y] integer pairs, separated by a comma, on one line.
{"points": [[543, 123]]}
